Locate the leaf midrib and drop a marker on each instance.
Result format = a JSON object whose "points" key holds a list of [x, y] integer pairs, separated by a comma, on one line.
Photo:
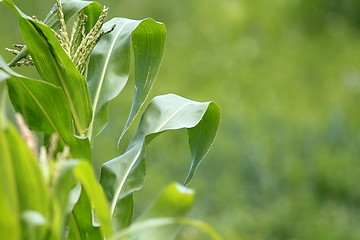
{"points": [[102, 78], [119, 188], [170, 117], [136, 104], [44, 112], [62, 81]]}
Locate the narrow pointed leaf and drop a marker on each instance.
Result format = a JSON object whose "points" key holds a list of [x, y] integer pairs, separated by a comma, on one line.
{"points": [[81, 225], [125, 174], [73, 172], [85, 175], [22, 186], [70, 9], [44, 108], [9, 217], [56, 67], [12, 6], [109, 65], [32, 191], [148, 43]]}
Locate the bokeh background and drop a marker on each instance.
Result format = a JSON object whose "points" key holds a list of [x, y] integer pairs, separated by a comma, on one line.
{"points": [[286, 161]]}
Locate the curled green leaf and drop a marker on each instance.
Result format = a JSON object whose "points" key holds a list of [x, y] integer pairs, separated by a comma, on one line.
{"points": [[125, 174], [109, 65]]}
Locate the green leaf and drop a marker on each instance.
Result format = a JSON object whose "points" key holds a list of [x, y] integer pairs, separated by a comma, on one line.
{"points": [[12, 6], [163, 219], [109, 65], [94, 191], [9, 218], [125, 174], [175, 201], [44, 108], [124, 211], [81, 224], [56, 67], [31, 189], [73, 172], [201, 138], [43, 105], [10, 225], [92, 11], [22, 186], [70, 9]]}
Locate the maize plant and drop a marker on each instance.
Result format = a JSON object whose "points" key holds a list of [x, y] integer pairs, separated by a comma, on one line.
{"points": [[48, 186]]}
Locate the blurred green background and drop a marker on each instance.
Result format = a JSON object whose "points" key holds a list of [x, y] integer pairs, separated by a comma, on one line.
{"points": [[285, 164]]}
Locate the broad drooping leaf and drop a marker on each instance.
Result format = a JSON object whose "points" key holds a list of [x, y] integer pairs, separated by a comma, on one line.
{"points": [[22, 188], [70, 9], [125, 174], [163, 219], [73, 172], [56, 67], [109, 65], [44, 108]]}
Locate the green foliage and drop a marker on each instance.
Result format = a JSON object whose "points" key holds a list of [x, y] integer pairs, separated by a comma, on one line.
{"points": [[43, 105], [112, 53], [23, 190], [161, 220], [51, 192], [168, 112]]}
